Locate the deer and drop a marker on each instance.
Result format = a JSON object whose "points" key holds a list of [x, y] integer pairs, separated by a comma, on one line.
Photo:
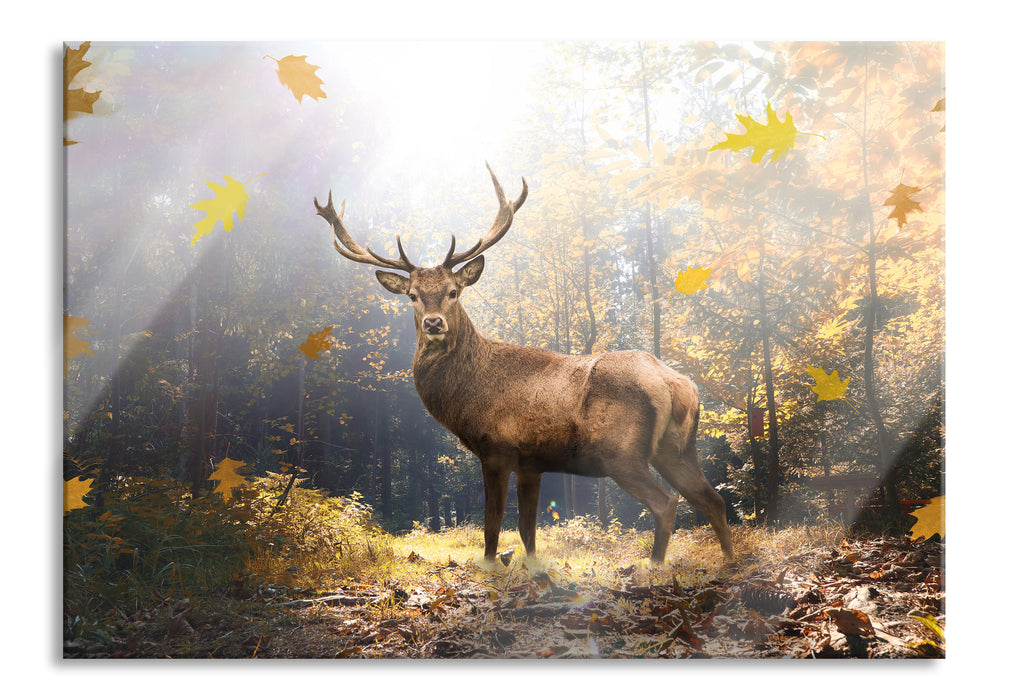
{"points": [[527, 410]]}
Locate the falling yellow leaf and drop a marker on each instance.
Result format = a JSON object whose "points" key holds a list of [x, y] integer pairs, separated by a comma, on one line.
{"points": [[690, 280], [74, 491], [230, 200], [900, 200], [317, 342], [777, 136], [72, 345], [78, 100], [828, 386], [931, 519], [228, 477], [299, 75]]}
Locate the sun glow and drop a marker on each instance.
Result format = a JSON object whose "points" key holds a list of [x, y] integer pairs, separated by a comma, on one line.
{"points": [[448, 105]]}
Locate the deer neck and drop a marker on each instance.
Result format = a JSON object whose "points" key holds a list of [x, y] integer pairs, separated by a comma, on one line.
{"points": [[444, 370]]}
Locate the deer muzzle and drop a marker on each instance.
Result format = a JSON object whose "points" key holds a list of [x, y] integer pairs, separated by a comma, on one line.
{"points": [[435, 326]]}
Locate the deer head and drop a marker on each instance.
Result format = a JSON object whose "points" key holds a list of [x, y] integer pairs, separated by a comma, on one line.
{"points": [[433, 291]]}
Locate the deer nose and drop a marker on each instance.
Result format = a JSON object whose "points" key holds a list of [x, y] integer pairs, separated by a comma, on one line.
{"points": [[434, 325]]}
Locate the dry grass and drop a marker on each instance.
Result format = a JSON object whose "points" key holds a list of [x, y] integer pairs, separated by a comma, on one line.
{"points": [[581, 550]]}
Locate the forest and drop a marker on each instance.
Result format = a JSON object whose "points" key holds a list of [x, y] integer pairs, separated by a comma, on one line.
{"points": [[239, 413]]}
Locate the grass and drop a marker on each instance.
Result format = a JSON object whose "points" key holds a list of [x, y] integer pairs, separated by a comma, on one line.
{"points": [[582, 550], [145, 552]]}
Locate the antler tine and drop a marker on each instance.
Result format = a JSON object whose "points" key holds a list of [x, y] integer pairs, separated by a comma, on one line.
{"points": [[351, 249], [502, 222], [448, 258], [402, 264]]}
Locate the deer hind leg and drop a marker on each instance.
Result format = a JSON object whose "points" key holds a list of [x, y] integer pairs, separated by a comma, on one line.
{"points": [[685, 475], [495, 488], [528, 488], [639, 483]]}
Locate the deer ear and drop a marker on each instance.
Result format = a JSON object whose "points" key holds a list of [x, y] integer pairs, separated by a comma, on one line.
{"points": [[469, 273], [397, 284]]}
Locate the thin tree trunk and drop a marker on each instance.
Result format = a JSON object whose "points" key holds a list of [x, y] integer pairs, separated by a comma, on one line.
{"points": [[883, 440], [653, 285], [385, 456], [773, 463]]}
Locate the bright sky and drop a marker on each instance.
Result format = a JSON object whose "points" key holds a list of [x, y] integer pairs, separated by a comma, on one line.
{"points": [[465, 93]]}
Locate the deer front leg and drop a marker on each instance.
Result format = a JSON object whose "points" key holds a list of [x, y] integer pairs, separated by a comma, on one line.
{"points": [[528, 487], [495, 489]]}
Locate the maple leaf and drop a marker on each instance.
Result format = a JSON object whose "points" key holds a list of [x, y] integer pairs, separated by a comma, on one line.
{"points": [[230, 200], [777, 136], [931, 519], [299, 75], [74, 491], [228, 477], [72, 345], [900, 200], [78, 100], [317, 342], [690, 280], [828, 386]]}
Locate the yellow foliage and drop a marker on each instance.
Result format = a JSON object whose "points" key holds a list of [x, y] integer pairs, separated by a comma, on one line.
{"points": [[228, 477], [74, 491], [299, 75], [230, 200], [931, 519], [900, 200], [777, 136], [828, 386], [78, 100], [691, 280], [73, 346], [317, 342]]}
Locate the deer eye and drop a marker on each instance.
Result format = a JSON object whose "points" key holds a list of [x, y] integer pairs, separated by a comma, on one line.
{"points": [[413, 297], [453, 294]]}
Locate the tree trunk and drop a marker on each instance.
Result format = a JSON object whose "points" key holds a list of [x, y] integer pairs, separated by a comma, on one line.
{"points": [[653, 285], [759, 480], [384, 454], [883, 441], [773, 463]]}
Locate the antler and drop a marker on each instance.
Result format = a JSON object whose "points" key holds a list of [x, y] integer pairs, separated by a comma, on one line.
{"points": [[351, 250], [505, 214]]}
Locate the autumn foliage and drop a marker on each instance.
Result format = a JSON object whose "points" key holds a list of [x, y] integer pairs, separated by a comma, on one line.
{"points": [[768, 218]]}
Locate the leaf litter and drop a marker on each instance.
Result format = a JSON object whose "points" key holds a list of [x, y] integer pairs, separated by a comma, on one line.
{"points": [[877, 598]]}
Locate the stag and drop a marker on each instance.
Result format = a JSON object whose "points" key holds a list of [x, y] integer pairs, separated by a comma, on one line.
{"points": [[527, 411]]}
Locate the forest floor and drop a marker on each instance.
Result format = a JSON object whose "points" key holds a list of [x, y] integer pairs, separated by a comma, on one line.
{"points": [[786, 598]]}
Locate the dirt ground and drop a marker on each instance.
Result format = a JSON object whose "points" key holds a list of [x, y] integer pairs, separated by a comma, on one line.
{"points": [[879, 598]]}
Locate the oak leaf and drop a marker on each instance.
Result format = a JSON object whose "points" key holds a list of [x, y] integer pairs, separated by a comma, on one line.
{"points": [[74, 491], [853, 622], [299, 75], [317, 342], [228, 477], [78, 100], [230, 200], [72, 345], [691, 280], [931, 519], [900, 200], [828, 386], [776, 136]]}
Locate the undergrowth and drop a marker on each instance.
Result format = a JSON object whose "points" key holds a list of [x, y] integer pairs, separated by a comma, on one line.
{"points": [[152, 544]]}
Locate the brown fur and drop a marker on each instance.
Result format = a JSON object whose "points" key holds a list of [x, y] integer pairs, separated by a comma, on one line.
{"points": [[527, 411]]}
